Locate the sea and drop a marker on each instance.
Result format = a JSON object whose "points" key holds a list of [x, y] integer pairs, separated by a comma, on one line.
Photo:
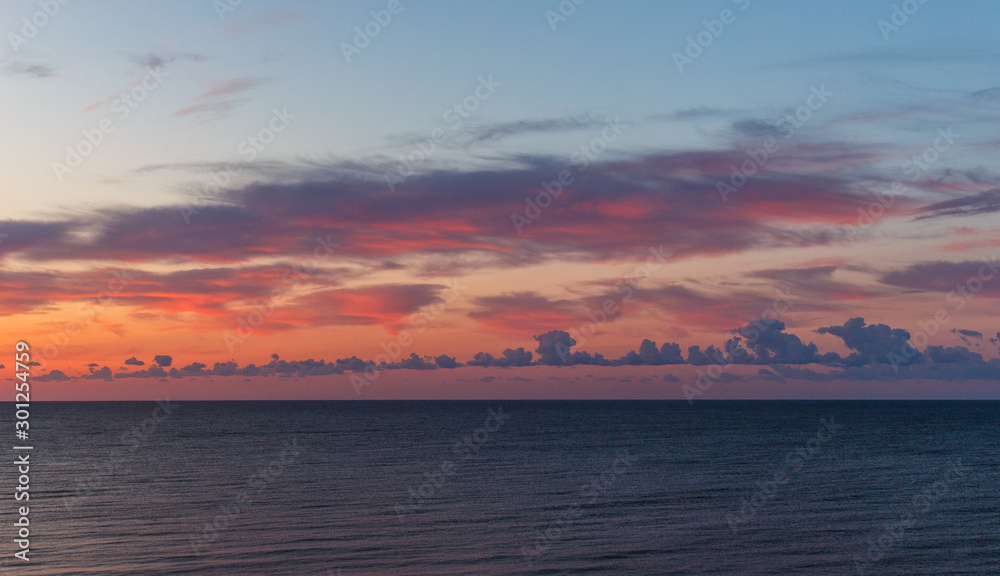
{"points": [[505, 488]]}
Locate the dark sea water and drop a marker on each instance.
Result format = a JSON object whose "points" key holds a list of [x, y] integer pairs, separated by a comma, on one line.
{"points": [[448, 488]]}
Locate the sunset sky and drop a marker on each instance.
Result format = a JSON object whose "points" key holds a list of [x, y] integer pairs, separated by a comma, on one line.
{"points": [[220, 182]]}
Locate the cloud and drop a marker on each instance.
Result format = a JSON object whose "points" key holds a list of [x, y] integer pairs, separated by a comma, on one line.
{"points": [[193, 367], [159, 60], [695, 113], [448, 362], [952, 354], [103, 374], [218, 101], [209, 292], [768, 343], [133, 362], [501, 130], [53, 376], [519, 357], [965, 278], [163, 360], [878, 352], [769, 376], [28, 70], [415, 362], [967, 335], [482, 359], [511, 358], [621, 209], [385, 304], [524, 312], [873, 343], [151, 372], [649, 355], [987, 95], [711, 355], [986, 202], [554, 347], [817, 283]]}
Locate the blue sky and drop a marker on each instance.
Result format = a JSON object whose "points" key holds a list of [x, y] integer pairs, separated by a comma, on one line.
{"points": [[604, 60]]}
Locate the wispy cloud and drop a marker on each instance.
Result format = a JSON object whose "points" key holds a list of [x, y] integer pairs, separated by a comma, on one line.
{"points": [[220, 99], [27, 70], [161, 59], [972, 205]]}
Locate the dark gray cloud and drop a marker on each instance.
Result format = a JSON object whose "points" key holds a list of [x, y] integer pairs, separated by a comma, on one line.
{"points": [[415, 362], [28, 70], [986, 95], [103, 374], [668, 199], [952, 355], [445, 361], [970, 333], [53, 376], [767, 342], [554, 347], [873, 343], [159, 60], [511, 358], [498, 131], [985, 202], [696, 113], [649, 355], [966, 279]]}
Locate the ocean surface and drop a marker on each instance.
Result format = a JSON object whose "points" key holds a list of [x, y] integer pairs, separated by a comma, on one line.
{"points": [[491, 488]]}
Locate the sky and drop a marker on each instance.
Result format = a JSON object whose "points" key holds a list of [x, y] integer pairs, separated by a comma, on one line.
{"points": [[415, 199]]}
